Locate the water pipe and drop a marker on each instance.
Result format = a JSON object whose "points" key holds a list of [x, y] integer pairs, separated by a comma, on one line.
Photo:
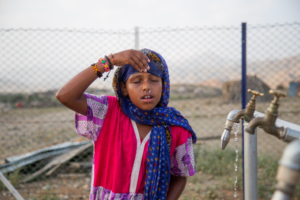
{"points": [[270, 124], [250, 156], [288, 173], [235, 115], [250, 144], [289, 132]]}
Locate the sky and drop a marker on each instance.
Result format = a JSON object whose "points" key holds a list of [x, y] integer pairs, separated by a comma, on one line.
{"points": [[124, 14], [56, 49]]}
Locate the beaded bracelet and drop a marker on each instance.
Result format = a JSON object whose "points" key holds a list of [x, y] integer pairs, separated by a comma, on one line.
{"points": [[110, 65], [104, 64], [96, 70]]}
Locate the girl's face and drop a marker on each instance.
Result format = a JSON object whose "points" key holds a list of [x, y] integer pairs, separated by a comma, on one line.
{"points": [[144, 90]]}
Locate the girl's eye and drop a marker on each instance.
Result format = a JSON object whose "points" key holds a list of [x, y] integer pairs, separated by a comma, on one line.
{"points": [[154, 80], [136, 82]]}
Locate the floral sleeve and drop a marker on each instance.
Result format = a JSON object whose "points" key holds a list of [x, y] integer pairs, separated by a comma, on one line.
{"points": [[182, 161], [89, 126]]}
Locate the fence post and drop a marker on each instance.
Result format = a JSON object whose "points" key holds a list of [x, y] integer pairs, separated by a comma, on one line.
{"points": [[136, 38], [244, 86], [249, 144]]}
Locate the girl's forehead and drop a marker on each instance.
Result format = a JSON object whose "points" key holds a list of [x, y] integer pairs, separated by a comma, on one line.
{"points": [[142, 75]]}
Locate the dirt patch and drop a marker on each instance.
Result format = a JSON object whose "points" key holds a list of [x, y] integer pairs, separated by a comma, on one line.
{"points": [[25, 130], [72, 187]]}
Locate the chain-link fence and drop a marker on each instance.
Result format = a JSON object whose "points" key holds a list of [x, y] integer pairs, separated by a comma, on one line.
{"points": [[274, 57], [40, 152]]}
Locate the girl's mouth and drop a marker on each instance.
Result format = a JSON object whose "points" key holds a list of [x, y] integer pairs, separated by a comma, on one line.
{"points": [[147, 98]]}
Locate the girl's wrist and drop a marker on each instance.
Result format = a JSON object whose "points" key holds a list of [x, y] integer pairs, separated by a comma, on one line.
{"points": [[115, 57], [112, 58]]}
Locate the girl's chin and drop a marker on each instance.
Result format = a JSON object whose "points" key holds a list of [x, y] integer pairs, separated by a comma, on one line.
{"points": [[145, 104], [147, 107]]}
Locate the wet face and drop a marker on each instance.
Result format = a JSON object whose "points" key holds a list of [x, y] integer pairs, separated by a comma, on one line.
{"points": [[144, 90]]}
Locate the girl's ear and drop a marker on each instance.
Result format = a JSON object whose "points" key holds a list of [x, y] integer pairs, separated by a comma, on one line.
{"points": [[124, 89]]}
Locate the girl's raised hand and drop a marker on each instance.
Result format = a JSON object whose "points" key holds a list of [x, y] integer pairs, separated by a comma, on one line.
{"points": [[133, 57]]}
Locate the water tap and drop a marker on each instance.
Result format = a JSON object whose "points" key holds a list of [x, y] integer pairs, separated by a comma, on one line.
{"points": [[267, 123], [235, 115]]}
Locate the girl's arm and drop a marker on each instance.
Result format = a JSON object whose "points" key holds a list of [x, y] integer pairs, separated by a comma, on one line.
{"points": [[177, 185], [71, 94]]}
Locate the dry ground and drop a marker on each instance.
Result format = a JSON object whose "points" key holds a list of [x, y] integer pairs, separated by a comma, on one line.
{"points": [[25, 130]]}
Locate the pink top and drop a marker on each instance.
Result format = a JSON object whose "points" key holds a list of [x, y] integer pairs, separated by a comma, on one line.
{"points": [[120, 156]]}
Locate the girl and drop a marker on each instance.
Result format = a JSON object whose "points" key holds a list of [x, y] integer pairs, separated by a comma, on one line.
{"points": [[142, 148]]}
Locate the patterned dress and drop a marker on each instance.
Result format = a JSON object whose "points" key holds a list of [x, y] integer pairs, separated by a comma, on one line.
{"points": [[120, 156]]}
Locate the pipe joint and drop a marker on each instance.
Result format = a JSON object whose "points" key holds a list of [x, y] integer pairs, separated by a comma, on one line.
{"points": [[288, 134]]}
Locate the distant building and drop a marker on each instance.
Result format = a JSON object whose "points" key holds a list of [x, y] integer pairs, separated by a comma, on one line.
{"points": [[294, 89], [232, 89]]}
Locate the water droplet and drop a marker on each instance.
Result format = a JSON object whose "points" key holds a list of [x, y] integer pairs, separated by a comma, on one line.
{"points": [[235, 195], [236, 129]]}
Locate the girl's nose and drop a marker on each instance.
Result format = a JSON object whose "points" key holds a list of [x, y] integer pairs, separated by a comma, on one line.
{"points": [[146, 86]]}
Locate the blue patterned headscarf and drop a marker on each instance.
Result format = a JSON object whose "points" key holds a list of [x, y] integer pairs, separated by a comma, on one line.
{"points": [[161, 118]]}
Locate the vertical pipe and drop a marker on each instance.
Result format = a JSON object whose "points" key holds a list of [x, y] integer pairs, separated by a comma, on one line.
{"points": [[243, 94], [250, 166], [136, 38]]}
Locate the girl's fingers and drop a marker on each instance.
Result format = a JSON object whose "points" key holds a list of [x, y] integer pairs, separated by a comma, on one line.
{"points": [[136, 66], [133, 57], [144, 59], [139, 62]]}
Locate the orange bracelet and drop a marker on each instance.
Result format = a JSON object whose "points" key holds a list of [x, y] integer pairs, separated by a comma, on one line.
{"points": [[96, 70], [112, 58]]}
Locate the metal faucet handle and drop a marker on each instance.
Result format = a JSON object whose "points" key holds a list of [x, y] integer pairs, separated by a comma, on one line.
{"points": [[255, 93], [277, 94]]}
